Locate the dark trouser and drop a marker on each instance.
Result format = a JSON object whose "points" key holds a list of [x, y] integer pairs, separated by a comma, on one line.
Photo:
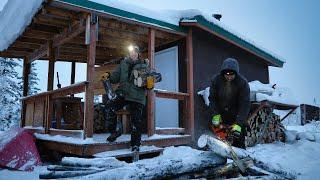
{"points": [[240, 141], [135, 110]]}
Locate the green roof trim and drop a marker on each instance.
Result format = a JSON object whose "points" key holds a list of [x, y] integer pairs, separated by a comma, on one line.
{"points": [[154, 22], [219, 30], [123, 14]]}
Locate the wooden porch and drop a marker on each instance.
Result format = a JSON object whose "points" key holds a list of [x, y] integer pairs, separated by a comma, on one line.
{"points": [[82, 148], [65, 32]]}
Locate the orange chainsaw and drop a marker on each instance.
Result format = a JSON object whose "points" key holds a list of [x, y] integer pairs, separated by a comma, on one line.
{"points": [[222, 132]]}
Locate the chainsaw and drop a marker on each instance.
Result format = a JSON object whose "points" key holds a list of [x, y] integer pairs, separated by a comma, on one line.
{"points": [[223, 134]]}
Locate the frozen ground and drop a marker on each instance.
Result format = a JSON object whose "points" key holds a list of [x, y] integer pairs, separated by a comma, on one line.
{"points": [[297, 158]]}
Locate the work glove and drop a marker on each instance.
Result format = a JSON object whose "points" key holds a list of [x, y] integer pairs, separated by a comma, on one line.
{"points": [[105, 76], [216, 120], [236, 130]]}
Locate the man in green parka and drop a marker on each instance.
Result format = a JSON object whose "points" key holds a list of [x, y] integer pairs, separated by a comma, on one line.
{"points": [[128, 95]]}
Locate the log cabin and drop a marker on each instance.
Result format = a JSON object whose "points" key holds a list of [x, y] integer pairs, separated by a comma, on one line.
{"points": [[188, 52]]}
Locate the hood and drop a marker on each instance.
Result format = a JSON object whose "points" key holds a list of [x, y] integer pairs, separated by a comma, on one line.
{"points": [[230, 64]]}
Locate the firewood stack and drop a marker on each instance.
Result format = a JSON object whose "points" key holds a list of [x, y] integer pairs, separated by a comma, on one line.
{"points": [[263, 129]]}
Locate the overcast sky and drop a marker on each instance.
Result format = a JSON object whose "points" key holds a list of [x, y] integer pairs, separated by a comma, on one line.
{"points": [[288, 28]]}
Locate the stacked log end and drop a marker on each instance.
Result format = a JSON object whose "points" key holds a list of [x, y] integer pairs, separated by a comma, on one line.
{"points": [[274, 130]]}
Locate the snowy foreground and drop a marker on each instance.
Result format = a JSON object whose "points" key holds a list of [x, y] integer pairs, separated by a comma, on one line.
{"points": [[296, 159]]}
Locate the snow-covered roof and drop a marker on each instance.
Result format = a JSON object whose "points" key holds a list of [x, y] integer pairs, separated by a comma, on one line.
{"points": [[15, 16], [166, 19]]}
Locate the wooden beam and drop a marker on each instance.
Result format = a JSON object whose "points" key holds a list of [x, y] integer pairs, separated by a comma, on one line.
{"points": [[190, 89], [151, 94], [59, 12], [89, 109], [26, 45], [69, 133], [170, 131], [30, 40], [75, 29], [38, 34], [42, 51], [68, 90], [20, 49], [51, 66], [171, 95], [13, 54], [69, 33], [291, 111]]}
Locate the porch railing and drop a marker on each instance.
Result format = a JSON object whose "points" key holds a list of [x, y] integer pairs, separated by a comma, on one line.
{"points": [[37, 109]]}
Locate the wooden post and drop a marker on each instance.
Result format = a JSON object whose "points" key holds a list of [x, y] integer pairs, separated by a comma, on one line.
{"points": [[51, 66], [151, 94], [26, 72], [48, 114], [91, 54], [73, 72], [190, 105]]}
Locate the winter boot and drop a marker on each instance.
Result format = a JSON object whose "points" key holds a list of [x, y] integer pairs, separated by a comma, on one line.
{"points": [[135, 153], [135, 149], [114, 136]]}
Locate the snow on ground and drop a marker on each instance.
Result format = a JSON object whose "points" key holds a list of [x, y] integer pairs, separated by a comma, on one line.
{"points": [[5, 140], [299, 158], [6, 174]]}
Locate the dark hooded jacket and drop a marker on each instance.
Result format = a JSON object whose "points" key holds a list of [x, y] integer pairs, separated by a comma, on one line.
{"points": [[230, 99]]}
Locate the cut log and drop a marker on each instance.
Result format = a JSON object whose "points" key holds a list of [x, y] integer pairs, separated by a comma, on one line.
{"points": [[163, 168], [68, 168], [66, 174], [222, 148], [264, 126], [229, 169], [107, 163], [140, 76]]}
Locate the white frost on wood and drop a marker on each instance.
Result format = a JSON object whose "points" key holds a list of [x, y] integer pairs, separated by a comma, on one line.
{"points": [[277, 94], [205, 95], [100, 138], [65, 139], [262, 92]]}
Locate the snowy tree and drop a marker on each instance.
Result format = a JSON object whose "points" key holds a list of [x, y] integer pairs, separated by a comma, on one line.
{"points": [[10, 93], [33, 80]]}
